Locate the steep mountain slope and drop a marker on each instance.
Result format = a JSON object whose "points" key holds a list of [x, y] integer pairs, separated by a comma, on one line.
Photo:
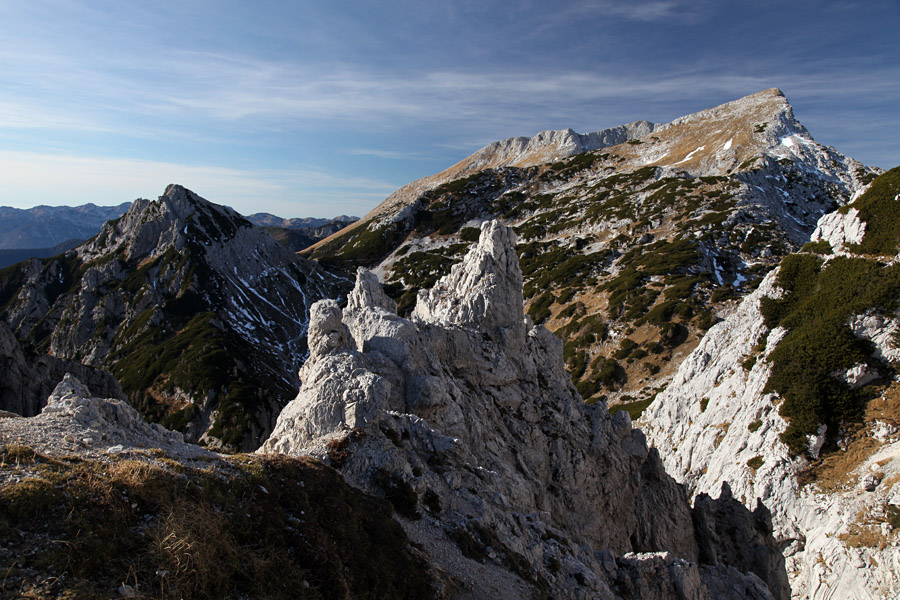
{"points": [[47, 226], [795, 399], [27, 377], [201, 316], [631, 241], [464, 419]]}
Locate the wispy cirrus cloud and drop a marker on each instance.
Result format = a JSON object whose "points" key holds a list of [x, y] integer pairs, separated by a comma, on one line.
{"points": [[386, 153], [208, 87]]}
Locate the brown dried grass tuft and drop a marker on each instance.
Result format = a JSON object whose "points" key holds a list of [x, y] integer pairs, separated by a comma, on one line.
{"points": [[835, 470]]}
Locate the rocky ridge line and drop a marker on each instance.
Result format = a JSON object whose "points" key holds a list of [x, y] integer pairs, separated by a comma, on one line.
{"points": [[200, 315], [630, 252]]}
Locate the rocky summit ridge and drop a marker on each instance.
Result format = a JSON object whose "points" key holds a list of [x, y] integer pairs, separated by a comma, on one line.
{"points": [[200, 315], [630, 251], [464, 419]]}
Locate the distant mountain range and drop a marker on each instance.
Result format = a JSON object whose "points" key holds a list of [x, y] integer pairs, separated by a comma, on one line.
{"points": [[45, 231], [49, 226], [270, 220]]}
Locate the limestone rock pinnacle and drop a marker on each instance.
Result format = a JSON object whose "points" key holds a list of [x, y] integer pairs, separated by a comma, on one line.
{"points": [[484, 290]]}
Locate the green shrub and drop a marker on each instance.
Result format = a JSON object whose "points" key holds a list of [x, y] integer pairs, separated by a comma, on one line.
{"points": [[634, 409], [539, 311], [815, 310], [820, 247], [879, 210], [626, 347]]}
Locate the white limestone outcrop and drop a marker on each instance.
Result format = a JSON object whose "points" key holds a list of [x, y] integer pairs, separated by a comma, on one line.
{"points": [[715, 423], [75, 422], [839, 229], [464, 418]]}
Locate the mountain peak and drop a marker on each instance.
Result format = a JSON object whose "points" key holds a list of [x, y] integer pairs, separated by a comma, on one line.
{"points": [[176, 218], [469, 419], [714, 141]]}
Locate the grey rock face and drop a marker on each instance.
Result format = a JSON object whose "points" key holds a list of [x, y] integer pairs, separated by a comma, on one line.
{"points": [[483, 291], [74, 421], [27, 378], [464, 418]]}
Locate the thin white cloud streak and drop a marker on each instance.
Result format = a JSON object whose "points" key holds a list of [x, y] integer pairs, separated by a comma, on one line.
{"points": [[387, 154], [654, 10], [56, 179], [207, 88], [26, 116]]}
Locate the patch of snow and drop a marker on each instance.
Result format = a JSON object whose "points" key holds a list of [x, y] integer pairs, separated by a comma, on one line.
{"points": [[717, 271], [798, 221], [690, 155], [727, 145]]}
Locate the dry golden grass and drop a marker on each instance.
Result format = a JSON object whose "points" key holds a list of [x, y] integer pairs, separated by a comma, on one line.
{"points": [[835, 469], [193, 533]]}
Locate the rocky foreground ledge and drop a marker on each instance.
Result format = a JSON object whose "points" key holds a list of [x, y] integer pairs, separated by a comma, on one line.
{"points": [[465, 420]]}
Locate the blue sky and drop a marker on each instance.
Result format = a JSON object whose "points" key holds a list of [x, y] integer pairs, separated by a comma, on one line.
{"points": [[310, 108]]}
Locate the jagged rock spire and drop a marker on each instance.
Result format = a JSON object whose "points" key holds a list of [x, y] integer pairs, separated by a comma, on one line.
{"points": [[483, 291], [462, 415]]}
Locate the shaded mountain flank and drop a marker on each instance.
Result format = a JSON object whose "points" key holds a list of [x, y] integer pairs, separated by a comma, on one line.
{"points": [[200, 315]]}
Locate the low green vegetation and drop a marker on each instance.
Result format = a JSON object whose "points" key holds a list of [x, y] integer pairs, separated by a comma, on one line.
{"points": [[364, 245], [631, 297], [634, 409], [820, 300], [820, 247], [573, 165], [257, 527], [879, 209], [547, 265]]}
